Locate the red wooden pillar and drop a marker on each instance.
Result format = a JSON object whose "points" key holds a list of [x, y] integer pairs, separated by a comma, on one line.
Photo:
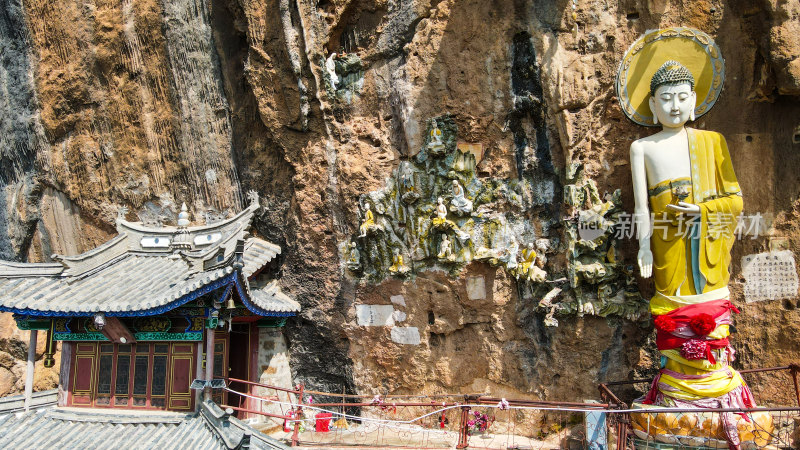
{"points": [[209, 362], [199, 375], [65, 375], [251, 403]]}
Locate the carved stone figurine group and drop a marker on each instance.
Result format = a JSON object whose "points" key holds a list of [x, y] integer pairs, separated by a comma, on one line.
{"points": [[530, 268]]}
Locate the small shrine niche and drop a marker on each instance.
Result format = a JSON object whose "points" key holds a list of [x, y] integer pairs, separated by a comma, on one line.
{"points": [[357, 28]]}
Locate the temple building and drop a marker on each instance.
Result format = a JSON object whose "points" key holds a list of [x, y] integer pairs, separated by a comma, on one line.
{"points": [[155, 308]]}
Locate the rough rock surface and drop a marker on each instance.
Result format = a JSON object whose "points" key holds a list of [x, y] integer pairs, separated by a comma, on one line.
{"points": [[146, 104]]}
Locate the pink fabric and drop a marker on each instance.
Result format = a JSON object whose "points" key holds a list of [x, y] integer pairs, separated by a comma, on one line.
{"points": [[686, 376], [685, 331]]}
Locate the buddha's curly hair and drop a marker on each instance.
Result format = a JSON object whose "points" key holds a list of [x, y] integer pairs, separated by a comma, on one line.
{"points": [[671, 73]]}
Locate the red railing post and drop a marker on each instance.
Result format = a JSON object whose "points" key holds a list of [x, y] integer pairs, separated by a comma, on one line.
{"points": [[463, 428], [622, 434], [795, 369], [297, 416], [622, 419]]}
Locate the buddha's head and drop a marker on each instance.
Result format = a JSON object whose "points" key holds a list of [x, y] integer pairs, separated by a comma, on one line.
{"points": [[672, 96]]}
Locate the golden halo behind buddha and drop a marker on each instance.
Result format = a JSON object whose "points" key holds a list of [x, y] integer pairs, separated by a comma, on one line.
{"points": [[692, 48]]}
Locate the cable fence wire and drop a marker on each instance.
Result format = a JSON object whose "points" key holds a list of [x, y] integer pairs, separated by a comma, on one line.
{"points": [[431, 424], [481, 422]]}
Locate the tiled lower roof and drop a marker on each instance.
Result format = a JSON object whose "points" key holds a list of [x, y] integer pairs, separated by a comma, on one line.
{"points": [[257, 253], [133, 283], [79, 428], [271, 298], [41, 399]]}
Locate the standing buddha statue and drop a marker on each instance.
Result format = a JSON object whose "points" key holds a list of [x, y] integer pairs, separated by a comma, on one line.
{"points": [[684, 183]]}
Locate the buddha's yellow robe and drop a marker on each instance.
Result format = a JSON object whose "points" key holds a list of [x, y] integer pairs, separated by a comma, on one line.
{"points": [[691, 261], [528, 260], [397, 264], [369, 220]]}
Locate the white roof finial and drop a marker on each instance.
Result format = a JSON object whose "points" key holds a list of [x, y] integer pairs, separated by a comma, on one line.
{"points": [[183, 217]]}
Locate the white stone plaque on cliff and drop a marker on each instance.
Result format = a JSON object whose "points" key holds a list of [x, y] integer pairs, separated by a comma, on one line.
{"points": [[398, 300], [405, 335], [476, 288], [769, 276], [375, 315]]}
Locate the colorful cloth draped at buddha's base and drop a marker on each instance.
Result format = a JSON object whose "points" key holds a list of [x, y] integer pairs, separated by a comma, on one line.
{"points": [[692, 336], [702, 429]]}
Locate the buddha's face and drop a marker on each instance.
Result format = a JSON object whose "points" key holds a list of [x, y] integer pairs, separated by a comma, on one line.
{"points": [[673, 105]]}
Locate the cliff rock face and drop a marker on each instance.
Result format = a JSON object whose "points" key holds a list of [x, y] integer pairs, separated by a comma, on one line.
{"points": [[145, 104]]}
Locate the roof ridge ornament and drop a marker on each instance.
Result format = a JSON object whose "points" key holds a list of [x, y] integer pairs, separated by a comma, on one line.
{"points": [[181, 239], [238, 255], [183, 217], [122, 211]]}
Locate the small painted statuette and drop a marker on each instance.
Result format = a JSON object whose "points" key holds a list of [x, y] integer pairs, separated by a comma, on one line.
{"points": [[354, 258], [398, 267], [436, 145], [460, 204], [368, 226], [446, 249]]}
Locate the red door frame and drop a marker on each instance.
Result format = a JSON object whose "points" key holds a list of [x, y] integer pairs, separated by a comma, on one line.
{"points": [[252, 365]]}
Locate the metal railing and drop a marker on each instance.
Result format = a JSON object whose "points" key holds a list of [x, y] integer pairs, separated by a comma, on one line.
{"points": [[484, 421], [436, 421]]}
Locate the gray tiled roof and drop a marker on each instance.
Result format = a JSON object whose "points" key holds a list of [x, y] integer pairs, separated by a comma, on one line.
{"points": [[78, 428], [122, 277], [132, 282], [271, 298], [257, 253], [40, 399]]}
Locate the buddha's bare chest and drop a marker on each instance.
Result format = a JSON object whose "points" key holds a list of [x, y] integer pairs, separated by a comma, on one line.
{"points": [[667, 160]]}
